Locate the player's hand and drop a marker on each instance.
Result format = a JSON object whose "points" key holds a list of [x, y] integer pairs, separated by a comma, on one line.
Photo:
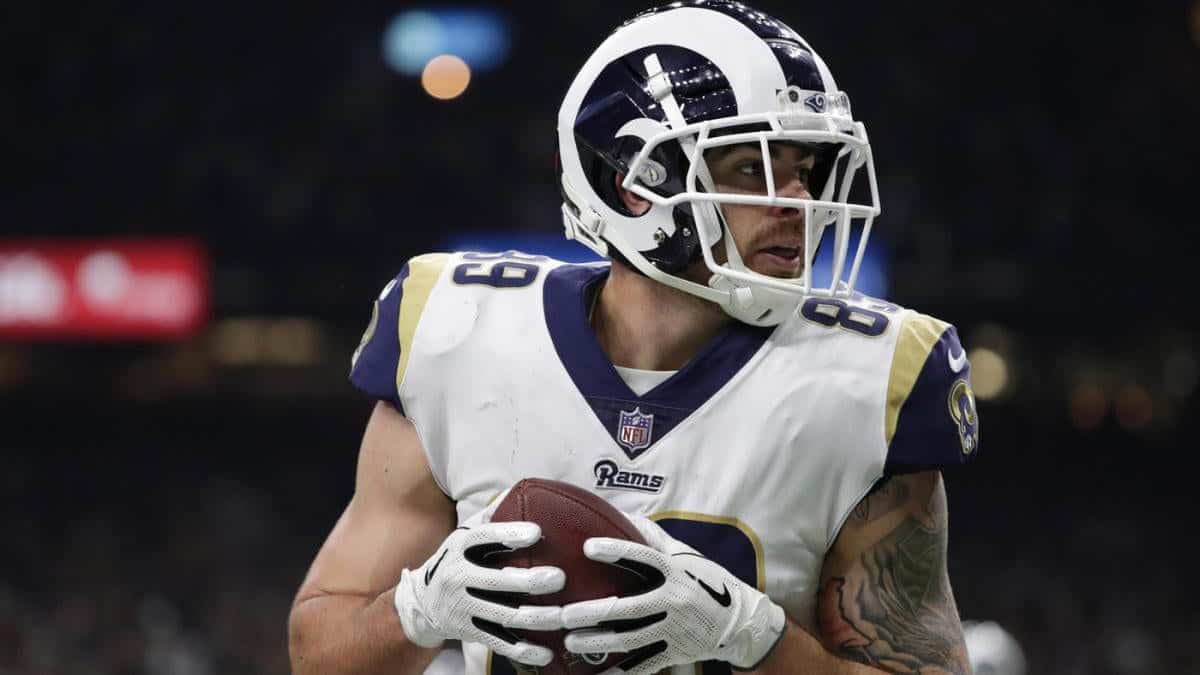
{"points": [[698, 611], [446, 597]]}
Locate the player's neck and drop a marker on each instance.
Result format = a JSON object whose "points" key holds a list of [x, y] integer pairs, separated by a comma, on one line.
{"points": [[641, 323]]}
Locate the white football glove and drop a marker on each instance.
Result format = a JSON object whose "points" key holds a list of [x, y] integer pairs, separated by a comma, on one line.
{"points": [[699, 612], [447, 597]]}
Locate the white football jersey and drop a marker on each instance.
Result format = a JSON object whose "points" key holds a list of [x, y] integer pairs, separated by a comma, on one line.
{"points": [[754, 453]]}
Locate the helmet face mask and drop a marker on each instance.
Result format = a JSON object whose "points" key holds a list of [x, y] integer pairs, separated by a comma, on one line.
{"points": [[725, 84]]}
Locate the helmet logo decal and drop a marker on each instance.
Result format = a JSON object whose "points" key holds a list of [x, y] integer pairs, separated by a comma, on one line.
{"points": [[795, 99]]}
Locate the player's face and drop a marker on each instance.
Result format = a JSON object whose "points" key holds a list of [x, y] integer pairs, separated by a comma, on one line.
{"points": [[770, 239]]}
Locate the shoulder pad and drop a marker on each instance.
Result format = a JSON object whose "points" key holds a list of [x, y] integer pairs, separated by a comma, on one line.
{"points": [[931, 421], [378, 365]]}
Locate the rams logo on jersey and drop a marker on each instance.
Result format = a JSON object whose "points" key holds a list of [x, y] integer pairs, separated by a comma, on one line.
{"points": [[609, 475], [962, 411]]}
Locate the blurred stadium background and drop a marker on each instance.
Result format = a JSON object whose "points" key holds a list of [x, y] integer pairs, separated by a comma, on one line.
{"points": [[203, 199]]}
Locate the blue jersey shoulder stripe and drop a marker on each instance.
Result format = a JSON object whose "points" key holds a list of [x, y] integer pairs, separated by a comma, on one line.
{"points": [[373, 366], [935, 421], [379, 363]]}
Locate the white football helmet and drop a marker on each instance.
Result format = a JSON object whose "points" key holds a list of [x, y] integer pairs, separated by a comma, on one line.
{"points": [[674, 82]]}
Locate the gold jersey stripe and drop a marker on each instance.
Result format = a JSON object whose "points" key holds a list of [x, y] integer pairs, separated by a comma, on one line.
{"points": [[755, 542], [918, 334], [423, 273]]}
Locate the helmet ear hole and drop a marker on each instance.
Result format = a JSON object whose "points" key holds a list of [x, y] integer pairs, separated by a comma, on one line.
{"points": [[606, 182], [633, 204]]}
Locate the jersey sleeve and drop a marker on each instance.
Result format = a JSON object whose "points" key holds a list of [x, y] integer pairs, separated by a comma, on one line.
{"points": [[931, 420], [378, 365]]}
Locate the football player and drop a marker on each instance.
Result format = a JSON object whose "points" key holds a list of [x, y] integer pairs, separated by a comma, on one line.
{"points": [[777, 441]]}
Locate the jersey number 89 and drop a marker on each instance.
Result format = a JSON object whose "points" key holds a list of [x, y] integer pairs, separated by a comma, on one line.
{"points": [[831, 312], [509, 269]]}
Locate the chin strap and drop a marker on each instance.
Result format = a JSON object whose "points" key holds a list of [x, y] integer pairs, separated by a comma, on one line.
{"points": [[753, 304]]}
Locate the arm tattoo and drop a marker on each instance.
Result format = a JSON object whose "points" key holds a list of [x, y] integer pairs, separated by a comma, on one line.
{"points": [[894, 608], [886, 496]]}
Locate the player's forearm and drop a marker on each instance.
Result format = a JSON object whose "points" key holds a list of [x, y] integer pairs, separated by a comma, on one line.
{"points": [[351, 635], [799, 652]]}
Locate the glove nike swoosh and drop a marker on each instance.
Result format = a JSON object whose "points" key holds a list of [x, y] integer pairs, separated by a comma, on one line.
{"points": [[723, 598], [434, 566]]}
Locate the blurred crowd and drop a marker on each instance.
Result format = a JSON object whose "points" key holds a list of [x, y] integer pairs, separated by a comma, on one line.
{"points": [[195, 583]]}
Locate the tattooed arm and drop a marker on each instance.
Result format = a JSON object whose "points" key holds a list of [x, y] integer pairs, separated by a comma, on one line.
{"points": [[885, 596]]}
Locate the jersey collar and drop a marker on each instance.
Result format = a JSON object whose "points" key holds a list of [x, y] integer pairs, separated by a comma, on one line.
{"points": [[635, 422]]}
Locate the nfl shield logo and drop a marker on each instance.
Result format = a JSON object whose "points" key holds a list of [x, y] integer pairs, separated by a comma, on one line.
{"points": [[634, 430]]}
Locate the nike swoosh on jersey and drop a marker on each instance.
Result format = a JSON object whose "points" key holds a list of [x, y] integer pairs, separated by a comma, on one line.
{"points": [[429, 572], [723, 598], [957, 362]]}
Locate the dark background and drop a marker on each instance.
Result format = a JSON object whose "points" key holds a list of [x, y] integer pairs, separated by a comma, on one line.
{"points": [[159, 505]]}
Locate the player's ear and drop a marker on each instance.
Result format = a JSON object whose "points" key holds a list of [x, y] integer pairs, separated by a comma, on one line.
{"points": [[635, 204]]}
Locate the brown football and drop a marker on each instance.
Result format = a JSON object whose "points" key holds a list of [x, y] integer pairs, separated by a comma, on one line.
{"points": [[568, 516]]}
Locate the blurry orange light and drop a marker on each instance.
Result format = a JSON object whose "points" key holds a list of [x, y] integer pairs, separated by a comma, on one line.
{"points": [[989, 373], [445, 77], [1089, 405], [1134, 407]]}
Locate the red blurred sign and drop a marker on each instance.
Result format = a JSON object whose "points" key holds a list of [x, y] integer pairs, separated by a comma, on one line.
{"points": [[102, 288]]}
